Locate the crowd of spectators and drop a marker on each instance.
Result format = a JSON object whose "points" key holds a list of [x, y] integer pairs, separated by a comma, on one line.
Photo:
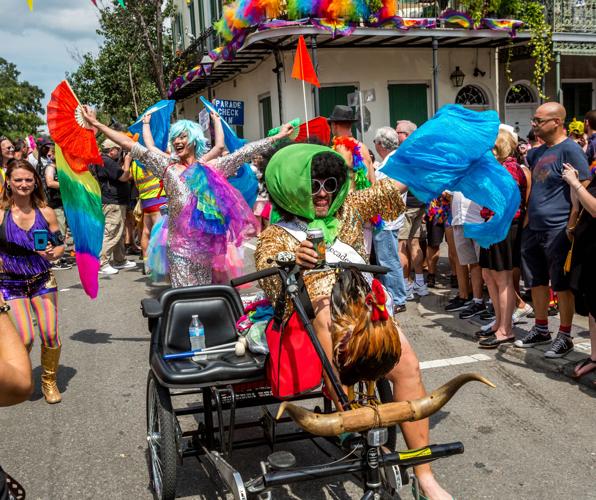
{"points": [[540, 269]]}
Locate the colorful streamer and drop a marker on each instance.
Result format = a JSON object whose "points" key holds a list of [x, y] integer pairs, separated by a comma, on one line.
{"points": [[30, 3], [81, 197]]}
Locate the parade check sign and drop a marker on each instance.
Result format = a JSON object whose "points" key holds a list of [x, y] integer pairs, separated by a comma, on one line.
{"points": [[231, 111]]}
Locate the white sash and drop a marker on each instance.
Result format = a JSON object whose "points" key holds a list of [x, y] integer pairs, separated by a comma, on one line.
{"points": [[337, 252]]}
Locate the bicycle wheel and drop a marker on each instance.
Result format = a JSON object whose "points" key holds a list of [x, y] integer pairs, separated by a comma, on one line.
{"points": [[161, 440]]}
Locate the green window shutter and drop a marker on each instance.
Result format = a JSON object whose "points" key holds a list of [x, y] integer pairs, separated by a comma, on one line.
{"points": [[266, 115], [201, 15], [577, 99], [193, 21], [408, 101], [329, 97]]}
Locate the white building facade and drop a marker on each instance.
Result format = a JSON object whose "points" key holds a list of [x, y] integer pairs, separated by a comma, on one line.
{"points": [[412, 73]]}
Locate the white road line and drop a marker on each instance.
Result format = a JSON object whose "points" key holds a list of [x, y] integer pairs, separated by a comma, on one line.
{"points": [[250, 245], [64, 290], [460, 360]]}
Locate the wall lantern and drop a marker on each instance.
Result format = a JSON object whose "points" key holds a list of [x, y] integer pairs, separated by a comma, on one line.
{"points": [[457, 77]]}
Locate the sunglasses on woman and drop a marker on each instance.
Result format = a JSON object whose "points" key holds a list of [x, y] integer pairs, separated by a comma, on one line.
{"points": [[329, 185]]}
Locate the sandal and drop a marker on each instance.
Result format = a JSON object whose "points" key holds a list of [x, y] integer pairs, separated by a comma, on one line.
{"points": [[587, 362]]}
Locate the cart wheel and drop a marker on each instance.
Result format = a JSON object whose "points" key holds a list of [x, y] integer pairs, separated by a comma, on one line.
{"points": [[385, 393], [161, 440]]}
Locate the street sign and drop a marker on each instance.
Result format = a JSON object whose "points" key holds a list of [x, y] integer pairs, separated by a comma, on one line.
{"points": [[368, 95], [231, 111], [204, 119], [364, 120]]}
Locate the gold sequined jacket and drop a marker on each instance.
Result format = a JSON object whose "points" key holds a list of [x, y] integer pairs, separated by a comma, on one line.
{"points": [[382, 198]]}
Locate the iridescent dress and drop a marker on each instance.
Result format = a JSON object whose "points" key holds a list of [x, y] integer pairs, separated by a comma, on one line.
{"points": [[191, 245]]}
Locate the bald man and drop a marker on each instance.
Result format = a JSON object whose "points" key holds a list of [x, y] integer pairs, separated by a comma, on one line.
{"points": [[548, 227]]}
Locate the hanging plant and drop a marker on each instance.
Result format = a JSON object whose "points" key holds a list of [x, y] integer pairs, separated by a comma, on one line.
{"points": [[541, 42]]}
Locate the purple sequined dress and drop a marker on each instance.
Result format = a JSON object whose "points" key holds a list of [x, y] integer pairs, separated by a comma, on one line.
{"points": [[24, 272], [189, 263]]}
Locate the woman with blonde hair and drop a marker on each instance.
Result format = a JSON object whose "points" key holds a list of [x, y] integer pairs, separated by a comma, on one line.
{"points": [[26, 280], [499, 260]]}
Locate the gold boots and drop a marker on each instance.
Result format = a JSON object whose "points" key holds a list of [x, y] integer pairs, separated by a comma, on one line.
{"points": [[50, 357]]}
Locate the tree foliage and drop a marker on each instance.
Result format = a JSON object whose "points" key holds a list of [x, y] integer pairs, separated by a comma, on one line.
{"points": [[20, 103], [129, 72]]}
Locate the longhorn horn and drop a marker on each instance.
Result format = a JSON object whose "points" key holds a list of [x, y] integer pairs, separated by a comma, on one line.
{"points": [[384, 415]]}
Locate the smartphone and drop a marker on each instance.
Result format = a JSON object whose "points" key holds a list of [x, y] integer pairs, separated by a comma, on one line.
{"points": [[40, 239]]}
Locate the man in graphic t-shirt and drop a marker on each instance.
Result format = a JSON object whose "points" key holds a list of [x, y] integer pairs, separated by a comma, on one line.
{"points": [[548, 228]]}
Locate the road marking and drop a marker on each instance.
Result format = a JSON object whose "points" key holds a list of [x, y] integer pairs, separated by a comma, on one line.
{"points": [[250, 246], [64, 290], [460, 360], [583, 346]]}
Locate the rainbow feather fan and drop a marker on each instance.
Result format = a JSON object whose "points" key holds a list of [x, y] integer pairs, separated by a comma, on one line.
{"points": [[81, 197]]}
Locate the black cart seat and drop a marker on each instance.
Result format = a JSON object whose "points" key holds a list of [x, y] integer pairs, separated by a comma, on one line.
{"points": [[218, 308]]}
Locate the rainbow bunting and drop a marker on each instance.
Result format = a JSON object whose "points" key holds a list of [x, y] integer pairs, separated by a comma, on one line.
{"points": [[460, 18], [81, 197], [510, 25], [336, 28]]}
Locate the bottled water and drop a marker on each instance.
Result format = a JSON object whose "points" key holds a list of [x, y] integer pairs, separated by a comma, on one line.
{"points": [[196, 335]]}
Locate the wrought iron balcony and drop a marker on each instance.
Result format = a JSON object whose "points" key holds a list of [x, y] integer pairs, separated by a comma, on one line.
{"points": [[572, 16]]}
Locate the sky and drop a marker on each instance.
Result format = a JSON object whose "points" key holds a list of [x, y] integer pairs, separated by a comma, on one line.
{"points": [[40, 43]]}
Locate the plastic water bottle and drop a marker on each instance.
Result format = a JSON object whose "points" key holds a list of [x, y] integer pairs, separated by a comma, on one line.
{"points": [[196, 335]]}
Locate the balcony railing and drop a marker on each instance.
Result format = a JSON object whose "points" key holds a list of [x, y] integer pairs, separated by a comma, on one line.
{"points": [[578, 16], [565, 16]]}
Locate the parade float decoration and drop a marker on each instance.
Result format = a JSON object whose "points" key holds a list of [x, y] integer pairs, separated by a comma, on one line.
{"points": [[76, 149], [341, 18]]}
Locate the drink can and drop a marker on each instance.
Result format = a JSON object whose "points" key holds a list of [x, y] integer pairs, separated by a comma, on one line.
{"points": [[315, 236]]}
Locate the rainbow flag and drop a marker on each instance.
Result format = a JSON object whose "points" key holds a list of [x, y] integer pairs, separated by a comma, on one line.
{"points": [[81, 197], [460, 18], [510, 25]]}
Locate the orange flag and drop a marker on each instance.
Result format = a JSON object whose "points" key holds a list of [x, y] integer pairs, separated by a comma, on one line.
{"points": [[303, 68]]}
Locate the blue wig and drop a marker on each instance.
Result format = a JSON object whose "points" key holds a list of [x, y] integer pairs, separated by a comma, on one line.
{"points": [[193, 132]]}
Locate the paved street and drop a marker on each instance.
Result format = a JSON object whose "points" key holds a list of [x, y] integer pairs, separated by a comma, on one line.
{"points": [[533, 437]]}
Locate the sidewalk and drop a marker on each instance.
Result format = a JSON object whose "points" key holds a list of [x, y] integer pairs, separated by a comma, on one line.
{"points": [[432, 307]]}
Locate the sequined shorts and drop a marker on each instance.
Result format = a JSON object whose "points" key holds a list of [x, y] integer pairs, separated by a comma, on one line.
{"points": [[13, 286]]}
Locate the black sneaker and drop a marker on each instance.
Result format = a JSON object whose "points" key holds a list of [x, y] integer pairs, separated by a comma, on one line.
{"points": [[533, 338], [489, 314], [474, 309], [456, 304], [562, 345], [61, 265], [399, 309], [430, 280]]}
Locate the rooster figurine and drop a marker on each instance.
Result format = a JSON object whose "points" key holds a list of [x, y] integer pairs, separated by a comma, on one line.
{"points": [[366, 343]]}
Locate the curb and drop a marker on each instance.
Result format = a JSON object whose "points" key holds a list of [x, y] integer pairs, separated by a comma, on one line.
{"points": [[432, 307]]}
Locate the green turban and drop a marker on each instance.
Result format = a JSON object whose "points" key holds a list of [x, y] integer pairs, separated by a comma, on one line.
{"points": [[288, 179]]}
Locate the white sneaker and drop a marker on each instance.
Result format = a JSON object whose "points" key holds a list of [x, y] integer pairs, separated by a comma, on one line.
{"points": [[128, 264], [107, 269], [410, 290], [420, 290], [488, 326], [521, 313]]}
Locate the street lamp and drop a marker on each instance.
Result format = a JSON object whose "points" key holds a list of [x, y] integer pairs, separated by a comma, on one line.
{"points": [[457, 77]]}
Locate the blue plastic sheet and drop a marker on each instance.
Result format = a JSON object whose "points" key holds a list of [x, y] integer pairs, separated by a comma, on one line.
{"points": [[452, 152], [161, 113], [245, 179]]}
